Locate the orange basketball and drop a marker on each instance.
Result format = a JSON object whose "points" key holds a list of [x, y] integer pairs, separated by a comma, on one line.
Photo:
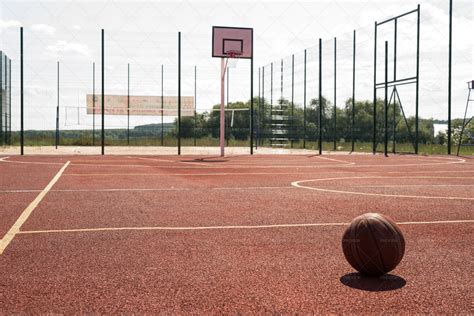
{"points": [[373, 244]]}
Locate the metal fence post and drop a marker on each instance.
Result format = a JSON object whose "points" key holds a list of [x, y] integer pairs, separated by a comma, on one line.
{"points": [[386, 101], [353, 92], [102, 96], [22, 139], [320, 123], [335, 94], [179, 93], [304, 102]]}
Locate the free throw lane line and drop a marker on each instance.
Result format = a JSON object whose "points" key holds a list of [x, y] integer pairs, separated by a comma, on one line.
{"points": [[298, 184], [226, 227], [15, 229]]}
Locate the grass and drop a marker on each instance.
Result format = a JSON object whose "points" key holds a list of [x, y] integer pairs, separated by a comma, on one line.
{"points": [[85, 139]]}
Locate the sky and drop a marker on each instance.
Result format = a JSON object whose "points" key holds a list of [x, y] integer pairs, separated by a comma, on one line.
{"points": [[144, 35]]}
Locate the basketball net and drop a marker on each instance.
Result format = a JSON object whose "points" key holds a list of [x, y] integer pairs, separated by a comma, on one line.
{"points": [[233, 59]]}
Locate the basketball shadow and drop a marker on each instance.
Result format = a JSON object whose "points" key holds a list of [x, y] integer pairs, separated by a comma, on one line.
{"points": [[387, 282]]}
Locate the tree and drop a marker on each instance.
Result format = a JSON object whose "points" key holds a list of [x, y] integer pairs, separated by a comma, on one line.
{"points": [[440, 138]]}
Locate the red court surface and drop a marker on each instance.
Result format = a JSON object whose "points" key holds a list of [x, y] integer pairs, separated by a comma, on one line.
{"points": [[242, 234]]}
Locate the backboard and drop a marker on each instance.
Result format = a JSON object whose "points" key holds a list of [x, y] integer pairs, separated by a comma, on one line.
{"points": [[232, 42]]}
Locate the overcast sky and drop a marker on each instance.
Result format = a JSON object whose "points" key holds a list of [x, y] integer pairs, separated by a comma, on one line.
{"points": [[144, 34]]}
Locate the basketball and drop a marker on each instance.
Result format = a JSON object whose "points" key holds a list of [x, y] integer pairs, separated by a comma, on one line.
{"points": [[373, 244]]}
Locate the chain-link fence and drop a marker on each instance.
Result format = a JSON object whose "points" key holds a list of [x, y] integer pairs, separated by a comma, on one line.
{"points": [[331, 96], [321, 97]]}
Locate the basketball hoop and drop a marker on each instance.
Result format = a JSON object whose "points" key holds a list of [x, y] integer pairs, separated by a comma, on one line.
{"points": [[231, 43], [233, 55]]}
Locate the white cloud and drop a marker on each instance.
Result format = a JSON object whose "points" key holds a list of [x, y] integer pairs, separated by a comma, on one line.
{"points": [[68, 47], [43, 28], [77, 27], [8, 24]]}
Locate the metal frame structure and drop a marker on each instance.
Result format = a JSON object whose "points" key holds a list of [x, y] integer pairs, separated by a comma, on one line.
{"points": [[5, 100], [397, 81], [466, 121]]}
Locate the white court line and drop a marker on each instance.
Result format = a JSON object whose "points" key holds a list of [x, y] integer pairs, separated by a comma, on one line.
{"points": [[228, 227], [265, 164], [414, 185], [15, 229], [29, 162], [177, 174], [337, 160], [254, 188], [187, 174], [234, 173], [151, 189], [298, 185], [193, 165]]}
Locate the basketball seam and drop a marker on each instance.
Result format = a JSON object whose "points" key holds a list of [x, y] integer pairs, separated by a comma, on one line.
{"points": [[356, 248], [376, 245], [392, 228]]}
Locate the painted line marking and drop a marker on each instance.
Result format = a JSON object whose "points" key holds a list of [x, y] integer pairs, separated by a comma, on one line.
{"points": [[254, 188], [265, 163], [29, 162], [15, 229], [337, 160], [172, 174], [298, 185], [168, 228], [415, 185], [151, 189], [185, 174], [222, 173]]}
